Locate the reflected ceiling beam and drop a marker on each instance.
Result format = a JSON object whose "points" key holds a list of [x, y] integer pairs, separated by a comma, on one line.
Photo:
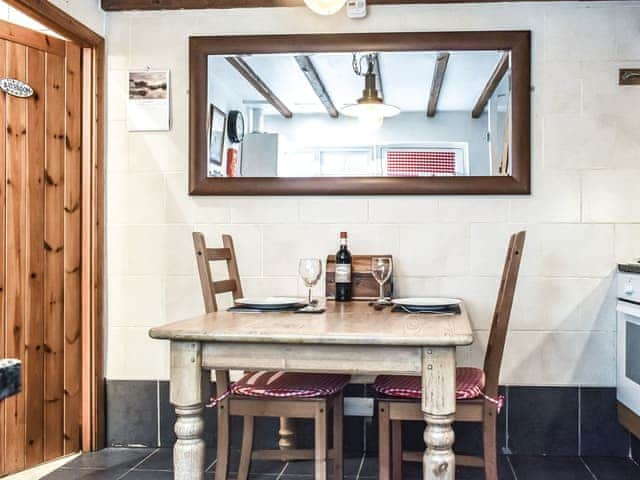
{"points": [[376, 70], [492, 84], [256, 82], [306, 65], [436, 84]]}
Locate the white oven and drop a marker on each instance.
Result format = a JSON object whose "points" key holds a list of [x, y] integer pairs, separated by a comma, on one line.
{"points": [[628, 336]]}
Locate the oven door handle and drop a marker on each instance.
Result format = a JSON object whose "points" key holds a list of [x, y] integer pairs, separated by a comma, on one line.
{"points": [[628, 309]]}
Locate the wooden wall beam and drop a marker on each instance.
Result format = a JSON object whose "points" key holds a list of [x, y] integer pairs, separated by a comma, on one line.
{"points": [[436, 84], [256, 82], [117, 5], [492, 84], [306, 65]]}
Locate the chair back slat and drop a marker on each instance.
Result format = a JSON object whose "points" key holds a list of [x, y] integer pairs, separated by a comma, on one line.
{"points": [[211, 288], [215, 254], [502, 314], [223, 286]]}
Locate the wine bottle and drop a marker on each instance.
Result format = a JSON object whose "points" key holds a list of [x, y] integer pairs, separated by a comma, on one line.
{"points": [[344, 286]]}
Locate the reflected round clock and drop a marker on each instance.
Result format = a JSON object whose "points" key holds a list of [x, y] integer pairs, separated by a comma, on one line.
{"points": [[236, 126]]}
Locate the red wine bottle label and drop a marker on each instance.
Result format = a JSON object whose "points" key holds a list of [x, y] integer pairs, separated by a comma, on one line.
{"points": [[343, 273]]}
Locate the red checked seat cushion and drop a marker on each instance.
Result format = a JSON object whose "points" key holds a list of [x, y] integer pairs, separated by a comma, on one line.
{"points": [[289, 385], [469, 384]]}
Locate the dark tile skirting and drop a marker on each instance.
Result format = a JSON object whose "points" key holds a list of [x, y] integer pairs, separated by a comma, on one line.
{"points": [[563, 421]]}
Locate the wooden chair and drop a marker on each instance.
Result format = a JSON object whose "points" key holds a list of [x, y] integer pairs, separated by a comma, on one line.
{"points": [[483, 408], [264, 405]]}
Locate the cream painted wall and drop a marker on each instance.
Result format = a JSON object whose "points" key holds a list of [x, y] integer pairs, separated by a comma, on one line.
{"points": [[584, 213], [85, 11]]}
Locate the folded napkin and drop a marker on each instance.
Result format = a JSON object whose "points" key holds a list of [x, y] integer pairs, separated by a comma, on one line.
{"points": [[444, 309]]}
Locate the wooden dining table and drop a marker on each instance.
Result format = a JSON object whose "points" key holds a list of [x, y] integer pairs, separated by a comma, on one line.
{"points": [[352, 338]]}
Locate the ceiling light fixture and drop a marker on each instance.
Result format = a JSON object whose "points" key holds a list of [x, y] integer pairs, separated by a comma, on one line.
{"points": [[325, 7], [370, 109]]}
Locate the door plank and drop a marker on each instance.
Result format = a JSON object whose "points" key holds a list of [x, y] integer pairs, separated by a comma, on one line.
{"points": [[72, 252], [54, 258], [30, 38], [87, 287], [16, 149], [34, 298], [3, 138]]}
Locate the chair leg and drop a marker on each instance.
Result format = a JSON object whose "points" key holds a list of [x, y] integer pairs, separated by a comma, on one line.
{"points": [[247, 447], [222, 463], [396, 449], [223, 438], [320, 460], [489, 442], [338, 432], [384, 442]]}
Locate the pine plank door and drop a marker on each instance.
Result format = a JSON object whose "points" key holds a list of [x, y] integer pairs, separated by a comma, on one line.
{"points": [[40, 247]]}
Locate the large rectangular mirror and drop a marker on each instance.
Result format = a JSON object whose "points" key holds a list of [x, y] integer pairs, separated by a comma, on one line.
{"points": [[393, 113]]}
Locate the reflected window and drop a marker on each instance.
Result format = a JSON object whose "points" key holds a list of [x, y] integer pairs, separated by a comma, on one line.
{"points": [[424, 162]]}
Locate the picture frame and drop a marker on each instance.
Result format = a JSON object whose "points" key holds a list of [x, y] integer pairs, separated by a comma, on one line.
{"points": [[217, 131]]}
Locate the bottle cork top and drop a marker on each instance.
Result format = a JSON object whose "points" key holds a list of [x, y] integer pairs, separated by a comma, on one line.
{"points": [[343, 234]]}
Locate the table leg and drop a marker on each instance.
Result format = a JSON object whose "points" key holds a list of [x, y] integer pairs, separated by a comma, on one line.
{"points": [[287, 434], [187, 387], [439, 407]]}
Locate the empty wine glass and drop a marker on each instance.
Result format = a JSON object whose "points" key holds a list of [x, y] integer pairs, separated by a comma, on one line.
{"points": [[381, 268], [310, 270]]}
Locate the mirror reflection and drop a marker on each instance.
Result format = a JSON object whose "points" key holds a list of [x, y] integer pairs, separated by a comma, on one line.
{"points": [[362, 114]]}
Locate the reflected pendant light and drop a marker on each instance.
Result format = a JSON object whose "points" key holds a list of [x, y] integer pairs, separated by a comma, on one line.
{"points": [[370, 109], [325, 7]]}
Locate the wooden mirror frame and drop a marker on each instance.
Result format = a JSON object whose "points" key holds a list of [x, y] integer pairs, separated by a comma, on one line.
{"points": [[517, 42]]}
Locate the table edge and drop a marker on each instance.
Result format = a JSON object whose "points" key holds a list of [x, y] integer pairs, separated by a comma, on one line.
{"points": [[157, 333]]}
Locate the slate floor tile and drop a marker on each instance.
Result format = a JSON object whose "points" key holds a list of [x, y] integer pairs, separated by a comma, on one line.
{"points": [[611, 468], [550, 468], [162, 459], [148, 475], [152, 475], [111, 458], [115, 464], [85, 474], [413, 470], [305, 467]]}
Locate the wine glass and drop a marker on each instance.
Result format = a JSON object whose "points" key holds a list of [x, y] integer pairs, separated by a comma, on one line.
{"points": [[310, 270], [381, 268]]}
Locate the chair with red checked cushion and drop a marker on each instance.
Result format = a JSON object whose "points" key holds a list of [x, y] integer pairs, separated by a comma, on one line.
{"points": [[476, 389], [268, 394]]}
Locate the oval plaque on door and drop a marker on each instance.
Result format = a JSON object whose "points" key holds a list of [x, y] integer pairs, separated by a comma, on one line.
{"points": [[15, 87]]}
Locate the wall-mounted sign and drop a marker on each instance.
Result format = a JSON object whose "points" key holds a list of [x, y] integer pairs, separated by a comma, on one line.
{"points": [[15, 87]]}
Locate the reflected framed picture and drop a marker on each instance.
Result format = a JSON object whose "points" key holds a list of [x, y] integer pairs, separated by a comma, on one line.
{"points": [[217, 126]]}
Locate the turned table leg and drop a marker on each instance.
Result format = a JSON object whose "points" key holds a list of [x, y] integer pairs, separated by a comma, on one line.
{"points": [[439, 407], [187, 388], [287, 434]]}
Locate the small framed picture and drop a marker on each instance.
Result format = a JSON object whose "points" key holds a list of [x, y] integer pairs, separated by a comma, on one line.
{"points": [[148, 108], [217, 127]]}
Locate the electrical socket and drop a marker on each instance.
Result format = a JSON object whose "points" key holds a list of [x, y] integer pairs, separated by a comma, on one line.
{"points": [[356, 8]]}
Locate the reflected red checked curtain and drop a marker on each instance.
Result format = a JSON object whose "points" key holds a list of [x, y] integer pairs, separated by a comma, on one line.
{"points": [[408, 163]]}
